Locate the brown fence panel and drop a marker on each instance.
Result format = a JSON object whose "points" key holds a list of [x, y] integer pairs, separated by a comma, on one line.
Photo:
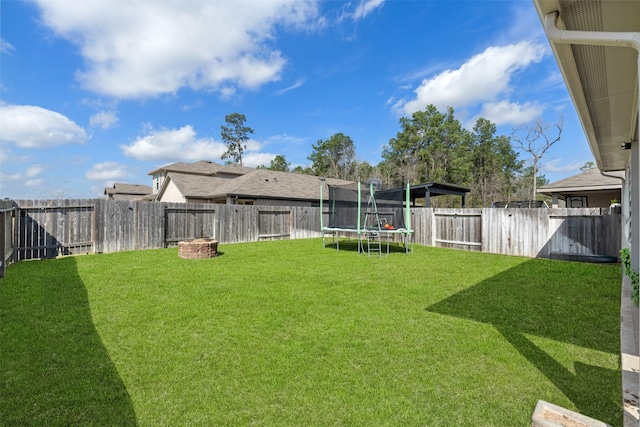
{"points": [[237, 223], [116, 222], [305, 222], [149, 223], [274, 223], [55, 227], [519, 232], [422, 225], [584, 232], [458, 229], [188, 221]]}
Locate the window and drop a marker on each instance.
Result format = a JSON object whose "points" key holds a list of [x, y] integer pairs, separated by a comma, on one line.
{"points": [[577, 202]]}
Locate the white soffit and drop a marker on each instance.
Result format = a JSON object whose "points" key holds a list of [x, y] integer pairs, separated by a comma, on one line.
{"points": [[602, 80]]}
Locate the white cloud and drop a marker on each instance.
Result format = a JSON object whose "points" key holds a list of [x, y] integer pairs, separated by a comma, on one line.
{"points": [[7, 155], [505, 112], [283, 140], [27, 177], [104, 119], [253, 145], [481, 79], [33, 182], [174, 145], [296, 85], [143, 49], [10, 177], [28, 126], [5, 46], [33, 171], [555, 165], [365, 8], [257, 159], [107, 171]]}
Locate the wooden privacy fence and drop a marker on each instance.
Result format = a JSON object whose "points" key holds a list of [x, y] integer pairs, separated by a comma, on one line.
{"points": [[577, 233], [48, 228]]}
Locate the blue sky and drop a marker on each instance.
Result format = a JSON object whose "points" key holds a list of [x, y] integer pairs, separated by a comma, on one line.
{"points": [[104, 91]]}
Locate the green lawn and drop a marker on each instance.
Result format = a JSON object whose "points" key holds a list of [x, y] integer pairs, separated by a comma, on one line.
{"points": [[289, 333]]}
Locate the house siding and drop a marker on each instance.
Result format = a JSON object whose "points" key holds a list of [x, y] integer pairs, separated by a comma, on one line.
{"points": [[172, 194]]}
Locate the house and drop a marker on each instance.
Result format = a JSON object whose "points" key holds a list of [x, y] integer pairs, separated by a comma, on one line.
{"points": [[252, 187], [597, 47], [127, 191], [589, 189], [201, 168]]}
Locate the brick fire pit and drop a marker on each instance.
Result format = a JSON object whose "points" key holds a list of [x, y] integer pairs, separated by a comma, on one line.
{"points": [[198, 248]]}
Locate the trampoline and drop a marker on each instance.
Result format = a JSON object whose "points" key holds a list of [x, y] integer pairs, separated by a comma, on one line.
{"points": [[376, 217]]}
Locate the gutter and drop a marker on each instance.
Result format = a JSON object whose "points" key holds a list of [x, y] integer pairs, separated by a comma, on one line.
{"points": [[615, 39], [597, 38]]}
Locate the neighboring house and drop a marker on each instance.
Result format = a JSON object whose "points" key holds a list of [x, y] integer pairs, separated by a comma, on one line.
{"points": [[255, 187], [201, 168], [589, 189], [127, 191]]}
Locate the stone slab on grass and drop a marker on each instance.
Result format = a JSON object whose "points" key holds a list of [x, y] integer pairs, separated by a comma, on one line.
{"points": [[549, 415]]}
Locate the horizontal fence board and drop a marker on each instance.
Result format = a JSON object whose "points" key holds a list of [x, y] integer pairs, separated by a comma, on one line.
{"points": [[46, 228]]}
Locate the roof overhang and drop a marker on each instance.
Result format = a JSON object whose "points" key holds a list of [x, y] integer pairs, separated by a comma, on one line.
{"points": [[579, 189], [602, 80], [437, 189]]}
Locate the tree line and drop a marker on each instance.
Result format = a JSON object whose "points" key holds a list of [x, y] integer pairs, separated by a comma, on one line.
{"points": [[431, 146]]}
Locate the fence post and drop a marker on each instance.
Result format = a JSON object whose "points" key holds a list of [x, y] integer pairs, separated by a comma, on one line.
{"points": [[3, 242]]}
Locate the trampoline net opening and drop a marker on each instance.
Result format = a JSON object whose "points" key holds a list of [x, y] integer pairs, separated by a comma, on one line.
{"points": [[376, 208]]}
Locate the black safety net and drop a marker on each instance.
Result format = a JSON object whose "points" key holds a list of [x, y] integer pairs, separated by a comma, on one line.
{"points": [[378, 209]]}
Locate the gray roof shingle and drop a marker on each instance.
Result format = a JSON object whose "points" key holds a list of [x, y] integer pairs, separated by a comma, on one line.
{"points": [[196, 186], [203, 167], [589, 180], [264, 183]]}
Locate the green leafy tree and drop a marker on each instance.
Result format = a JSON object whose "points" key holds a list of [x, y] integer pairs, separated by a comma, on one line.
{"points": [[279, 163], [431, 146], [333, 158], [587, 166], [302, 170], [495, 165], [361, 171], [235, 136]]}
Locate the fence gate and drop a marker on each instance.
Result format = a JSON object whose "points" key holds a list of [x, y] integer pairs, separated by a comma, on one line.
{"points": [[50, 231], [458, 228], [587, 232], [188, 223]]}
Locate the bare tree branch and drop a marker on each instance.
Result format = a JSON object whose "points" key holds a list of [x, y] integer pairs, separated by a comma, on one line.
{"points": [[536, 139]]}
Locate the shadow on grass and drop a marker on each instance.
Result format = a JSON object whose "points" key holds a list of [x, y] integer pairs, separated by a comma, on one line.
{"points": [[351, 245], [55, 369], [559, 301]]}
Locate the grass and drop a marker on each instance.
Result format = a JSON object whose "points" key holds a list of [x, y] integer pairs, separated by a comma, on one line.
{"points": [[286, 333]]}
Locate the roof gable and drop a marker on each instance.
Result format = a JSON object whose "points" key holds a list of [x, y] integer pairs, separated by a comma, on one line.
{"points": [[194, 186], [590, 180]]}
